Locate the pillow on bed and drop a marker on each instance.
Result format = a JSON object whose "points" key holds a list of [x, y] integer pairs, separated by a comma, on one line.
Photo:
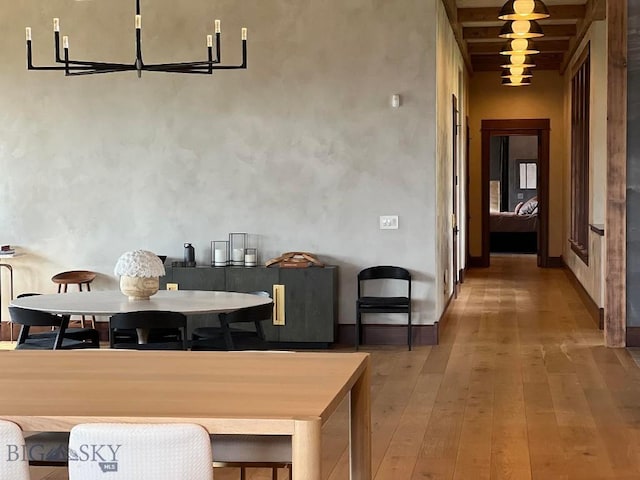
{"points": [[529, 208], [518, 207]]}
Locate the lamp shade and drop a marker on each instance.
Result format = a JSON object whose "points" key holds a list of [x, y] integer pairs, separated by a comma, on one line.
{"points": [[516, 82], [524, 10], [516, 72], [518, 61], [521, 46], [521, 29]]}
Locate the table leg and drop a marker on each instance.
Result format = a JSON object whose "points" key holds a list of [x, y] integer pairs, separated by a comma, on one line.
{"points": [[10, 268], [360, 427], [306, 449], [143, 335]]}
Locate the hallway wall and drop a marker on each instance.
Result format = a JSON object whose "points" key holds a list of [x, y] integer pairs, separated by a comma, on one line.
{"points": [[590, 275], [491, 101]]}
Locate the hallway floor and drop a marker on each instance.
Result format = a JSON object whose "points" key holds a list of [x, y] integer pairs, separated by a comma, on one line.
{"points": [[520, 387]]}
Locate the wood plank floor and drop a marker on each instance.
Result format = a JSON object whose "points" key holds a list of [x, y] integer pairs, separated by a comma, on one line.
{"points": [[520, 387]]}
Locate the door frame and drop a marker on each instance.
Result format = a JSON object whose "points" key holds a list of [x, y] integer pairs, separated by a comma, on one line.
{"points": [[539, 127]]}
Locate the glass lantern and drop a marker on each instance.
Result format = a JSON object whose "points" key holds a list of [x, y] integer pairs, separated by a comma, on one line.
{"points": [[237, 247], [219, 253]]}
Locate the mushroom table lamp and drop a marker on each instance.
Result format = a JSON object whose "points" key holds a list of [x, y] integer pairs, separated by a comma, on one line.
{"points": [[139, 271]]}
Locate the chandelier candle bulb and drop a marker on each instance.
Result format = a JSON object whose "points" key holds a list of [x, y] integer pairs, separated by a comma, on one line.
{"points": [[244, 34], [28, 33], [209, 40], [65, 42], [56, 24], [217, 24], [138, 21]]}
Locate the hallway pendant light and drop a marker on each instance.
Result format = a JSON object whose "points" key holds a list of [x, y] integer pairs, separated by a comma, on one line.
{"points": [[524, 10], [521, 29], [516, 82], [85, 67], [516, 72], [522, 46], [519, 61]]}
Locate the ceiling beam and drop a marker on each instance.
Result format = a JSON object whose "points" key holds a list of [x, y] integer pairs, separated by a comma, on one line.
{"points": [[550, 31], [490, 14], [487, 48], [543, 61], [452, 14], [594, 10]]}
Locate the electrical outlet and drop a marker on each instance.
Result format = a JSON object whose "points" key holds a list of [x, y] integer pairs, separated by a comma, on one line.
{"points": [[172, 286], [388, 222]]}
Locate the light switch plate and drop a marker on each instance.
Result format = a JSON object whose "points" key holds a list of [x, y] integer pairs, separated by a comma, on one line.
{"points": [[388, 222]]}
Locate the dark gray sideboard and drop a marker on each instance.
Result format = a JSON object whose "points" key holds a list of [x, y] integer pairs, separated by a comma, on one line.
{"points": [[311, 298]]}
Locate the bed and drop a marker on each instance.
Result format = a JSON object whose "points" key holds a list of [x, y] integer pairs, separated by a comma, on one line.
{"points": [[515, 231]]}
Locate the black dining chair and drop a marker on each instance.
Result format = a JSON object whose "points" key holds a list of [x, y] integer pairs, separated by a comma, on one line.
{"points": [[228, 337], [380, 303], [54, 340], [82, 334], [150, 322]]}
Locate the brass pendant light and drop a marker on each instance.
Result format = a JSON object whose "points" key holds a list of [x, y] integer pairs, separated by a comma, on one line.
{"points": [[516, 82], [518, 61], [524, 10], [521, 29], [519, 46]]}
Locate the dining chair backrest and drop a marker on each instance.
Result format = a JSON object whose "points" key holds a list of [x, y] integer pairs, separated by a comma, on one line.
{"points": [[384, 272], [131, 451], [255, 315], [151, 320], [35, 318], [13, 465]]}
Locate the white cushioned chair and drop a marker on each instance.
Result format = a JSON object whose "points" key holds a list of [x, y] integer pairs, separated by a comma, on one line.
{"points": [[139, 451], [13, 466]]}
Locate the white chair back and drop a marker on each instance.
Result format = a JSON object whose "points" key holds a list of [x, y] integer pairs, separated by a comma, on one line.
{"points": [[13, 462], [112, 451]]}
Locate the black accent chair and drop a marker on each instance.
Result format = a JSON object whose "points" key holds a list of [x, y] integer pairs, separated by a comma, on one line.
{"points": [[150, 322], [55, 340], [383, 304], [82, 334], [225, 337]]}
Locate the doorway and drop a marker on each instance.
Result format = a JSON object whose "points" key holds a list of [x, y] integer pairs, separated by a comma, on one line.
{"points": [[520, 153]]}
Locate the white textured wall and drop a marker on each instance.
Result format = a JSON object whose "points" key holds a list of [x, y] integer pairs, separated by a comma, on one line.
{"points": [[301, 149], [449, 69]]}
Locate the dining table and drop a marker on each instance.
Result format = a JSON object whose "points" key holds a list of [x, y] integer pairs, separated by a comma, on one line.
{"points": [[256, 393], [112, 302]]}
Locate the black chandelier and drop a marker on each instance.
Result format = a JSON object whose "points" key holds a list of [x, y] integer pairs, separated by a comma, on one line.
{"points": [[83, 67]]}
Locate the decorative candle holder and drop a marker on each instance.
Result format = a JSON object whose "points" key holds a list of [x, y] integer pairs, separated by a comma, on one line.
{"points": [[237, 246], [250, 257], [219, 253]]}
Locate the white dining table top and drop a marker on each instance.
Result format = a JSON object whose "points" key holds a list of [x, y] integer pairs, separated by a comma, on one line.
{"points": [[111, 302]]}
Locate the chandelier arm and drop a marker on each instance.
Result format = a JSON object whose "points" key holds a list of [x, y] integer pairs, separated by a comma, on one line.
{"points": [[189, 70], [97, 72], [202, 63]]}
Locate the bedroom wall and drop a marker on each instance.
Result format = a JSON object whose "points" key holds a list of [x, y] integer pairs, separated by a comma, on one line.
{"points": [[591, 276], [543, 99], [302, 149]]}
